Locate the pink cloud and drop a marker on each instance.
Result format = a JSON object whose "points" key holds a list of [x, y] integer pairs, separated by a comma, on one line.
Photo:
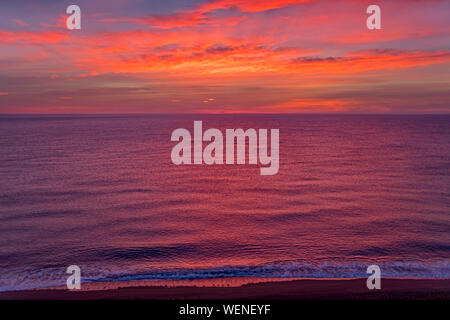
{"points": [[21, 22]]}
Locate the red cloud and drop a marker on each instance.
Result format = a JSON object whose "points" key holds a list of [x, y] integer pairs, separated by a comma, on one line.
{"points": [[249, 6], [46, 37], [167, 21]]}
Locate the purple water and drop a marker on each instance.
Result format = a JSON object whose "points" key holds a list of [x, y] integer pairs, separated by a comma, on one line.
{"points": [[101, 192]]}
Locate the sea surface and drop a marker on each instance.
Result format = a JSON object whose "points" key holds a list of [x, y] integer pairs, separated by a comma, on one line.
{"points": [[102, 193]]}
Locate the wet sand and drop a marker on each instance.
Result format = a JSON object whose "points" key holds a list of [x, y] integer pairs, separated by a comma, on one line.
{"points": [[352, 289]]}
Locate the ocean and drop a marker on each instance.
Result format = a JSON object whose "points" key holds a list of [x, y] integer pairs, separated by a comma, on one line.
{"points": [[102, 193]]}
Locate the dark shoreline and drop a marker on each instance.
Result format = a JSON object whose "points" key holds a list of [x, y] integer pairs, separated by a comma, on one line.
{"points": [[352, 289]]}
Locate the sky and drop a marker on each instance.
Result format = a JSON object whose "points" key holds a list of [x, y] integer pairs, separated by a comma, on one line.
{"points": [[224, 56]]}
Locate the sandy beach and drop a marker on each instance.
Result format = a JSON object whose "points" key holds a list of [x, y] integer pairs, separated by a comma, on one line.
{"points": [[352, 289]]}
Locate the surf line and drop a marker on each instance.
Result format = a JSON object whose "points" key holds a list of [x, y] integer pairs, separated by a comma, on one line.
{"points": [[214, 153]]}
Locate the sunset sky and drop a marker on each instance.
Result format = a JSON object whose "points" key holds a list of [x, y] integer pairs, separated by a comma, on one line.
{"points": [[225, 56]]}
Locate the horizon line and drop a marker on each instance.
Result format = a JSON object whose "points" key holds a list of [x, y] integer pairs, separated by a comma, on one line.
{"points": [[222, 114]]}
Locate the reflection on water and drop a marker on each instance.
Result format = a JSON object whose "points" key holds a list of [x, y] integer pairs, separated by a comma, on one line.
{"points": [[102, 193]]}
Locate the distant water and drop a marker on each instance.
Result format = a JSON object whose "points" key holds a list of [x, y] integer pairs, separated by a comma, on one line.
{"points": [[102, 193]]}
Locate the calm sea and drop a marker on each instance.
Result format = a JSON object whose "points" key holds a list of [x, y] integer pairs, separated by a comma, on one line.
{"points": [[101, 192]]}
